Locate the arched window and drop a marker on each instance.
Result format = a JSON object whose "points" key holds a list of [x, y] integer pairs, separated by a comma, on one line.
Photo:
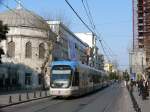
{"points": [[41, 51], [28, 50], [11, 49]]}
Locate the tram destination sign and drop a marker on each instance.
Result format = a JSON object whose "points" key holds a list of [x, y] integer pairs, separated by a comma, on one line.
{"points": [[61, 71]]}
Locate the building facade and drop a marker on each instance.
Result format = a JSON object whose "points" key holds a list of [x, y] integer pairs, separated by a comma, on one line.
{"points": [[140, 54], [68, 45], [26, 49], [95, 58]]}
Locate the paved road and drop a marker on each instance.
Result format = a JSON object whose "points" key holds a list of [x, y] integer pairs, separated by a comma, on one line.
{"points": [[111, 99]]}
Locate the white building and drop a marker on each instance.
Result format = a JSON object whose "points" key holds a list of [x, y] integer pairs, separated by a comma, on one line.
{"points": [[26, 48], [137, 62], [68, 45], [96, 59]]}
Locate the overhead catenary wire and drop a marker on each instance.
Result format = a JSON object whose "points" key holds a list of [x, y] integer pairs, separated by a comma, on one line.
{"points": [[89, 15], [79, 16], [85, 25], [111, 53], [104, 50], [90, 12], [74, 12], [94, 26], [87, 11], [94, 32]]}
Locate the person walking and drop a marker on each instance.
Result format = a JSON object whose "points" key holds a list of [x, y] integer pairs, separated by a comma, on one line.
{"points": [[131, 85], [141, 87], [146, 88]]}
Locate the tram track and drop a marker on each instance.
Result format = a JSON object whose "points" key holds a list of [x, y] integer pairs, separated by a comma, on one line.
{"points": [[104, 100], [107, 107], [80, 105], [109, 104], [48, 106], [91, 100]]}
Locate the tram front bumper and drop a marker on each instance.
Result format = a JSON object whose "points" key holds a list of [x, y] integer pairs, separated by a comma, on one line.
{"points": [[63, 92]]}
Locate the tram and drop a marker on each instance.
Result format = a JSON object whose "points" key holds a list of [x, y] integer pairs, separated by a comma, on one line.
{"points": [[72, 78]]}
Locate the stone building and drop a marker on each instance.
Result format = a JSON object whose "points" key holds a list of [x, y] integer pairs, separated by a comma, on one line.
{"points": [[27, 49]]}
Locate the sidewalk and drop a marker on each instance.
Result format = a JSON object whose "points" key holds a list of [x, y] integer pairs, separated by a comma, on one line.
{"points": [[126, 104], [21, 96], [143, 104]]}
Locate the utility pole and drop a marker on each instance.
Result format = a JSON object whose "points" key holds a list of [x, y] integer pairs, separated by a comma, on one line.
{"points": [[133, 21], [130, 61]]}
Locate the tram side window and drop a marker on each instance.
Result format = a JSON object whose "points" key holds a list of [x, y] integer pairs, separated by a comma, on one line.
{"points": [[91, 78], [75, 79]]}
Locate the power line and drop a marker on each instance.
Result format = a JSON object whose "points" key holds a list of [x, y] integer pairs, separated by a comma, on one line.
{"points": [[104, 50], [94, 32], [88, 13], [110, 50], [79, 16]]}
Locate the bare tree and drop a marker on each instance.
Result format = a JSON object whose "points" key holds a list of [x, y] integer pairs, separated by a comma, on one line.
{"points": [[3, 30]]}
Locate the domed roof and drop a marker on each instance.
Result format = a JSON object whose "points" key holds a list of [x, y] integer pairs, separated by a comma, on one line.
{"points": [[24, 18]]}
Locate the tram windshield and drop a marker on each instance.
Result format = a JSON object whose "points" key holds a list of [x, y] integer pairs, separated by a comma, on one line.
{"points": [[60, 77]]}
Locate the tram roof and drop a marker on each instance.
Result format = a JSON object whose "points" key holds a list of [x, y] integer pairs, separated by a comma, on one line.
{"points": [[70, 63]]}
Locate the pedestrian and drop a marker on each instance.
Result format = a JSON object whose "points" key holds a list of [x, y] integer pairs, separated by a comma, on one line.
{"points": [[138, 85], [131, 85], [141, 87], [146, 88]]}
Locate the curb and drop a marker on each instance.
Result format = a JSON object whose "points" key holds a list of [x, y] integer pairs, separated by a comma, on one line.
{"points": [[134, 102], [7, 105]]}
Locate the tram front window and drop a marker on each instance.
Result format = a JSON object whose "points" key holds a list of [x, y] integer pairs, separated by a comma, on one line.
{"points": [[60, 78]]}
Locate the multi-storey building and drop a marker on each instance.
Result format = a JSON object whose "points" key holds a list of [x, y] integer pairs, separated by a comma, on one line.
{"points": [[140, 55], [95, 58], [68, 45]]}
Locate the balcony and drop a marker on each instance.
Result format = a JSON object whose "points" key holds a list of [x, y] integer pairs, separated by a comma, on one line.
{"points": [[140, 46]]}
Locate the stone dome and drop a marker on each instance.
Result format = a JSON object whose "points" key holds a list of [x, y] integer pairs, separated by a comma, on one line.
{"points": [[23, 18]]}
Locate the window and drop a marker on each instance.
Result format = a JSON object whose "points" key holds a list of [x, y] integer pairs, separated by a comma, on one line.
{"points": [[11, 49], [28, 50], [41, 51], [40, 79], [28, 80], [75, 79]]}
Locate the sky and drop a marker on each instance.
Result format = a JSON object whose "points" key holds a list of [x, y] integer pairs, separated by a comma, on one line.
{"points": [[113, 19]]}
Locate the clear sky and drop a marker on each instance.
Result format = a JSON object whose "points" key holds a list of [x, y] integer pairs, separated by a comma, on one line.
{"points": [[113, 19]]}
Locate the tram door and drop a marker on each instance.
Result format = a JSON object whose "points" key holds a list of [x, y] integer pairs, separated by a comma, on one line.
{"points": [[75, 81]]}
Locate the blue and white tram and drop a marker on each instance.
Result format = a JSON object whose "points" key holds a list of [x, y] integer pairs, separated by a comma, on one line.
{"points": [[71, 78]]}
